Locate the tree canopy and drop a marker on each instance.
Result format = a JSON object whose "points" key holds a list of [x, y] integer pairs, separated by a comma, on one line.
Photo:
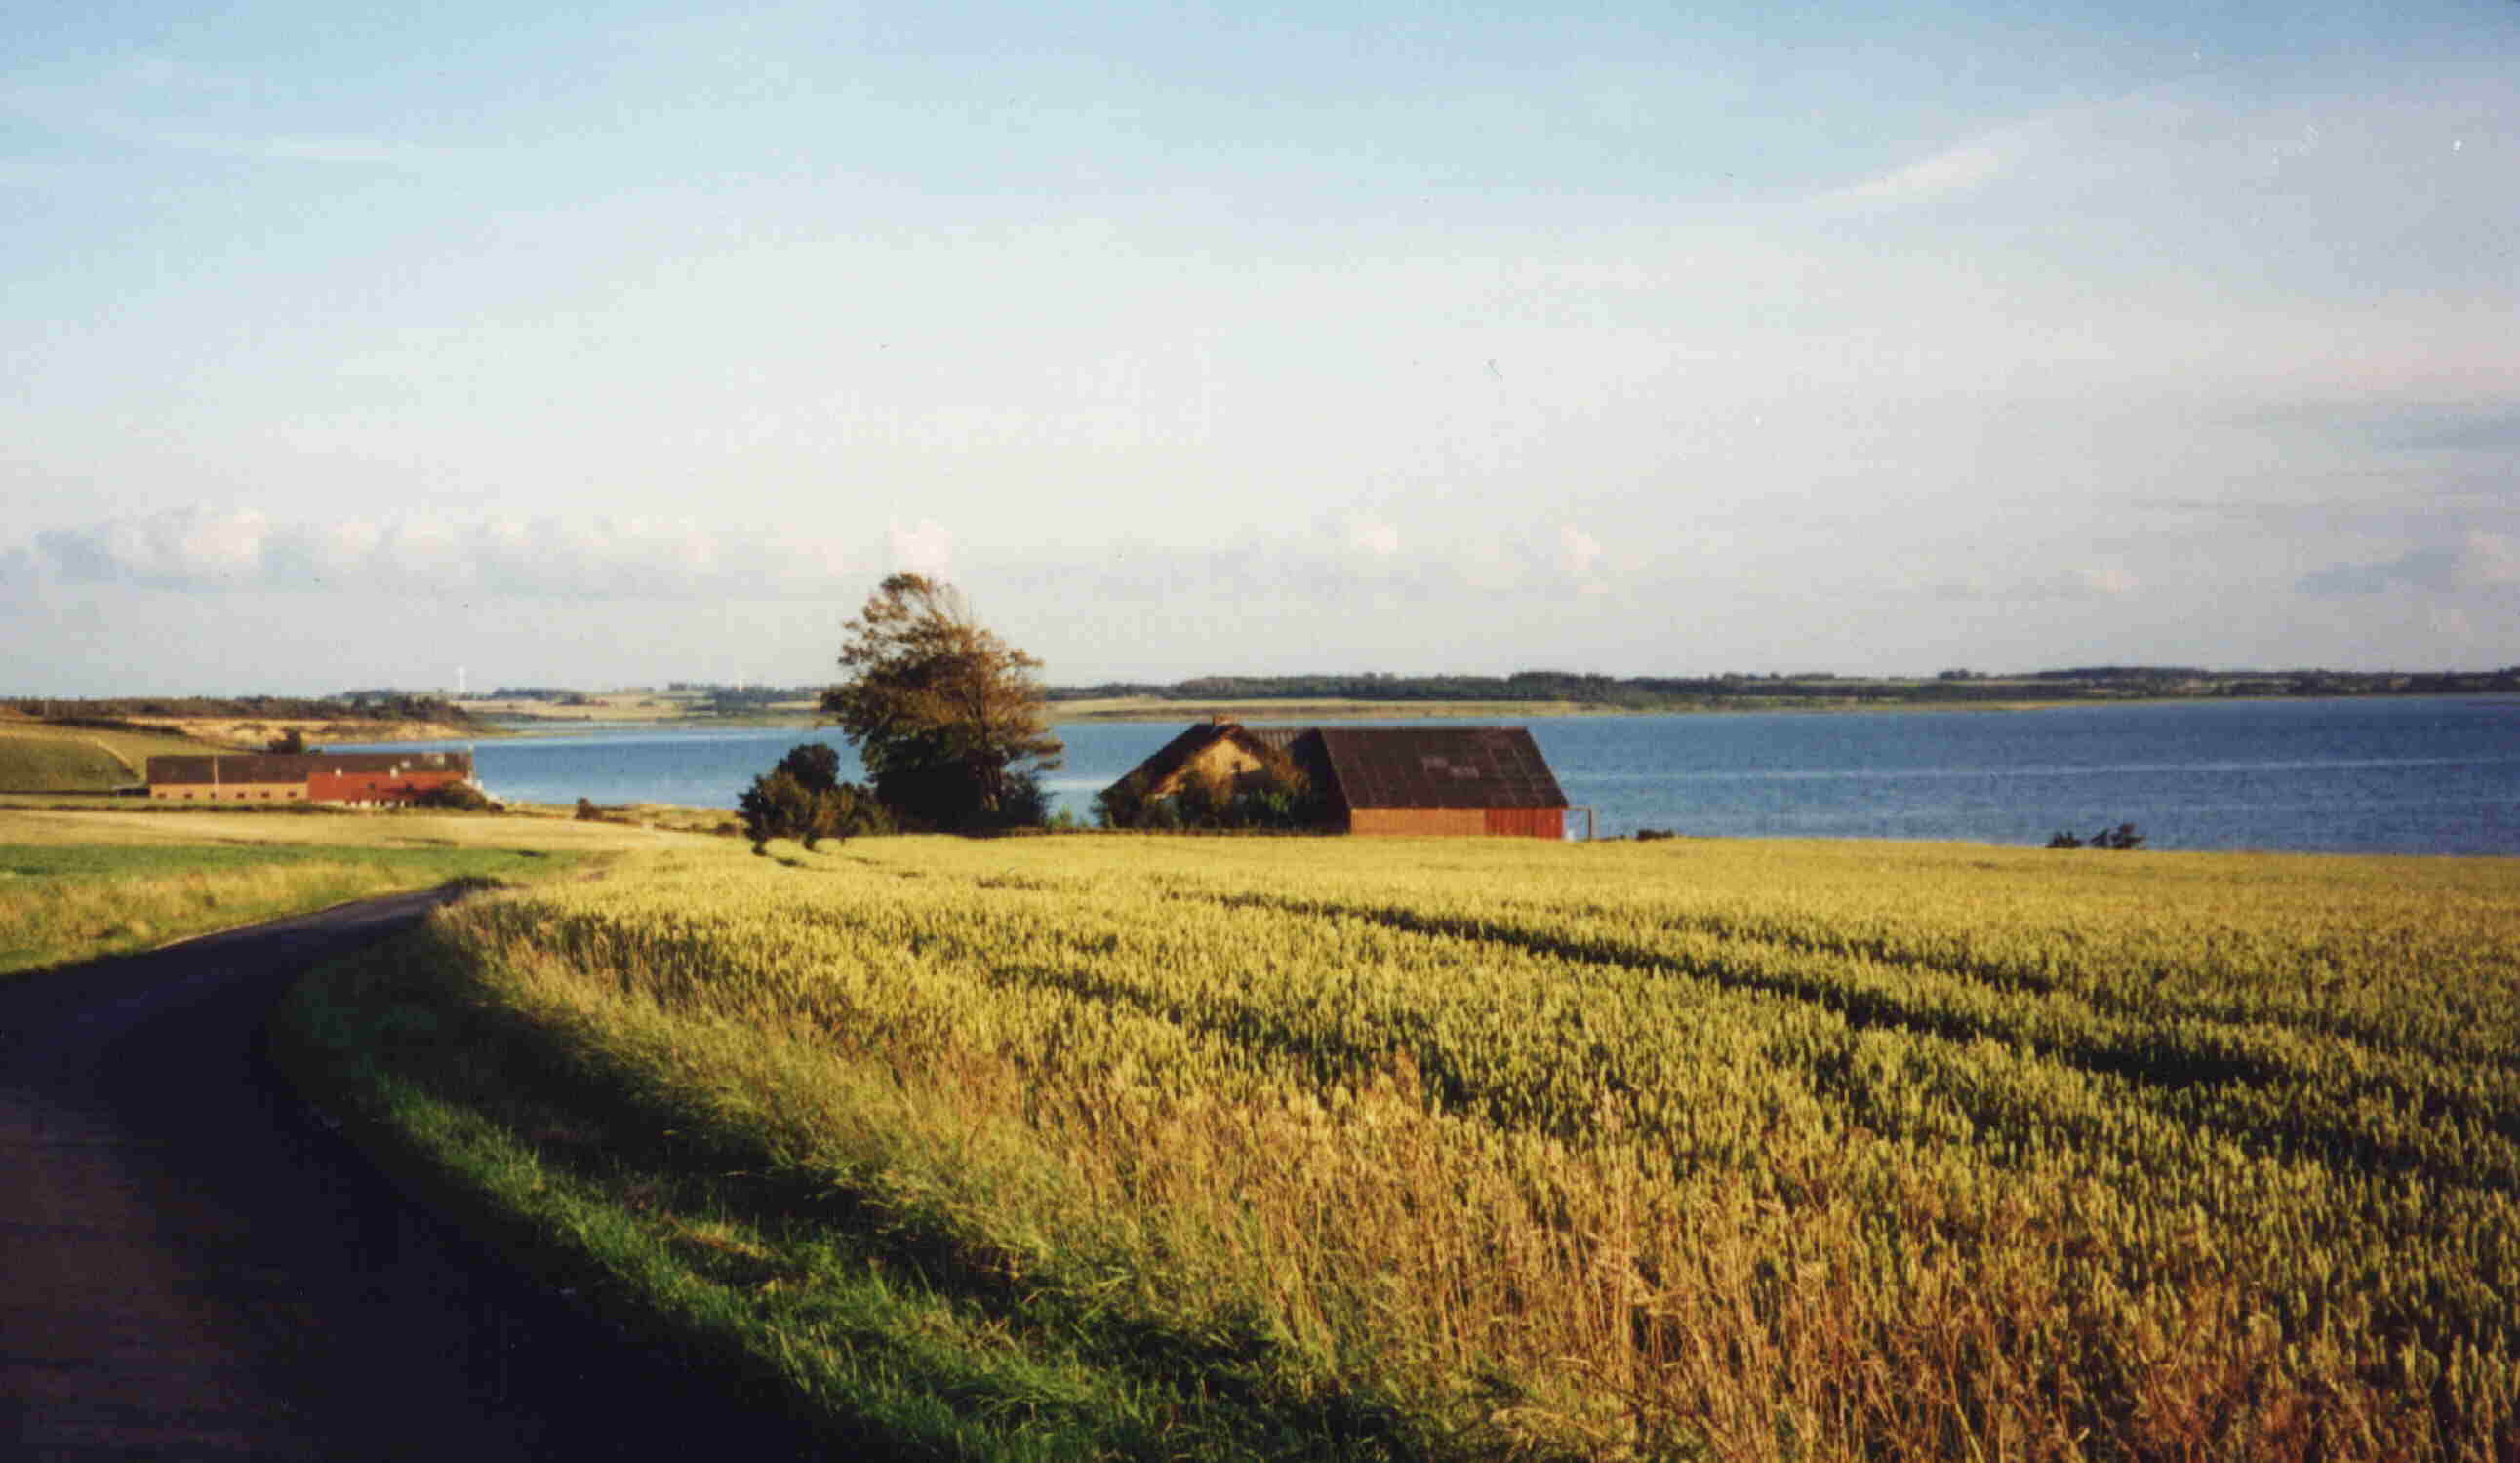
{"points": [[949, 720]]}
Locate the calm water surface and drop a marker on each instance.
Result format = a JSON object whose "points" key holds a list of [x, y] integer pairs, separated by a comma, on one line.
{"points": [[2429, 775]]}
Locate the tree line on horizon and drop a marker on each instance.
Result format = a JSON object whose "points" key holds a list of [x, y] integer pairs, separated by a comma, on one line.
{"points": [[349, 706], [1644, 692], [1632, 693]]}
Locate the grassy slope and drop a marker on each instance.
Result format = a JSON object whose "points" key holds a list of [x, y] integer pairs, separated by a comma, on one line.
{"points": [[2140, 1118], [31, 764], [37, 758], [254, 733], [75, 886]]}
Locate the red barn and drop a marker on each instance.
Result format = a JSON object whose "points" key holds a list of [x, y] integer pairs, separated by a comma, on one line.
{"points": [[305, 777]]}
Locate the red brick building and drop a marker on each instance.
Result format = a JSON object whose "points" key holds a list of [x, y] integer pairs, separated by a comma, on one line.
{"points": [[305, 777]]}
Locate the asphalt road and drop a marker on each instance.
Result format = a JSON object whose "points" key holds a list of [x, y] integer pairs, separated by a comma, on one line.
{"points": [[192, 1266]]}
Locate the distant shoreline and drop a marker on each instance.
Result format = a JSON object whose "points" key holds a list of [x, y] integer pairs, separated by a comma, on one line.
{"points": [[1099, 712], [1533, 695], [632, 712], [1361, 711], [1149, 710]]}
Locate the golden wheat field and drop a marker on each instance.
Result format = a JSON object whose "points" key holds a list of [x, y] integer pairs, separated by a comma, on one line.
{"points": [[1731, 1149]]}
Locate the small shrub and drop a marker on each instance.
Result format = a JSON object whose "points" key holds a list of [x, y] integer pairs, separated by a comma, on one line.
{"points": [[802, 798], [1123, 804], [461, 797], [1275, 795], [1025, 803], [2122, 836]]}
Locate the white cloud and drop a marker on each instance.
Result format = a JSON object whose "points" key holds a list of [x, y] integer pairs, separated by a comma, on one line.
{"points": [[1577, 551], [22, 579], [204, 549], [427, 555], [335, 150], [364, 151], [1947, 172], [2450, 622], [1579, 561], [2079, 582], [20, 174], [164, 73], [2492, 560], [925, 547], [1962, 167], [1374, 536], [1492, 566], [327, 555], [2479, 561], [2105, 582], [183, 548]]}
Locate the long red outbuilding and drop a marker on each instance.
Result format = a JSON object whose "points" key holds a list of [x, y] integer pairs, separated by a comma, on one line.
{"points": [[305, 777]]}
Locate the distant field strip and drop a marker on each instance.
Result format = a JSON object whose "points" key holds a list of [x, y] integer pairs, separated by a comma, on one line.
{"points": [[74, 886], [1433, 1148]]}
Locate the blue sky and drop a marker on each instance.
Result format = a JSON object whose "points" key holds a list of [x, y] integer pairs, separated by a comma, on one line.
{"points": [[631, 344]]}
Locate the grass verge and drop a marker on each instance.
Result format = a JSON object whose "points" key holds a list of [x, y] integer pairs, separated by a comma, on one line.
{"points": [[58, 905], [78, 885]]}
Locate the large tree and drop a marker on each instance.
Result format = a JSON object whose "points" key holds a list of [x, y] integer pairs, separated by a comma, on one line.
{"points": [[948, 720]]}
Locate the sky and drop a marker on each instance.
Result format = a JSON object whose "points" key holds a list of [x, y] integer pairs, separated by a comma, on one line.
{"points": [[458, 345]]}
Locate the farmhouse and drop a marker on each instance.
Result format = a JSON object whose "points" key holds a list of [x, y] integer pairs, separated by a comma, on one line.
{"points": [[1479, 781], [305, 777]]}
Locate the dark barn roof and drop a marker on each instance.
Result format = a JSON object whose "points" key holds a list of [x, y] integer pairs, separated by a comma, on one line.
{"points": [[182, 770], [1177, 753], [1439, 766], [1387, 766]]}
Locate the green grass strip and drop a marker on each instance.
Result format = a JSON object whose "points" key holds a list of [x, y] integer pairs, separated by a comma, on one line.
{"points": [[64, 902]]}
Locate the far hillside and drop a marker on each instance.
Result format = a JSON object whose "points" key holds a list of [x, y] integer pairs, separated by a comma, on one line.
{"points": [[252, 723], [537, 707], [1546, 692], [56, 758]]}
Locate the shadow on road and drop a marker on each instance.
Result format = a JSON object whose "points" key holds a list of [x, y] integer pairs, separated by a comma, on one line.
{"points": [[194, 1261]]}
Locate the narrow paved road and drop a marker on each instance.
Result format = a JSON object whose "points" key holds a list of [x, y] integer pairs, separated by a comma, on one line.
{"points": [[192, 1267]]}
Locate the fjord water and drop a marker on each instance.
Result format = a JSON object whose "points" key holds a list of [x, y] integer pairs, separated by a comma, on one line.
{"points": [[2418, 776]]}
